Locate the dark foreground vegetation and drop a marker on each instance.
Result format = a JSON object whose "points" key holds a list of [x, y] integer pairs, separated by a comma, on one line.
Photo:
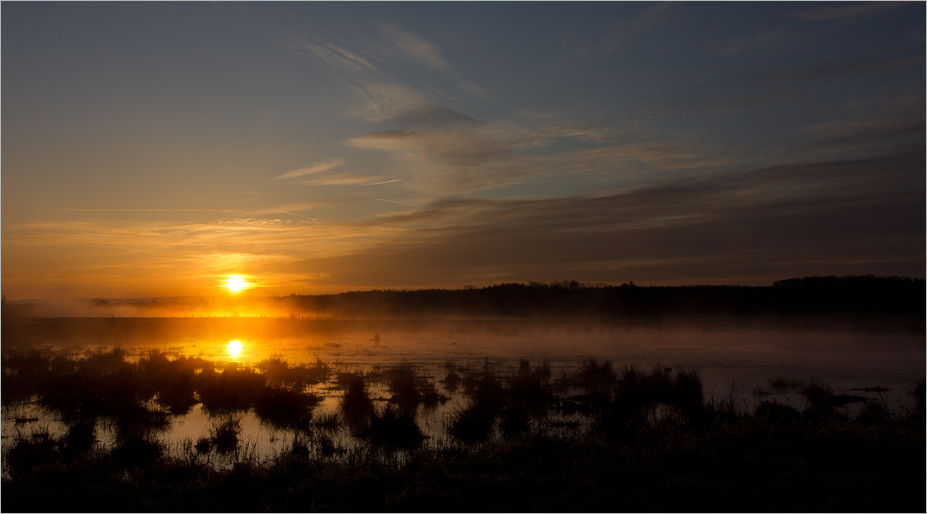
{"points": [[594, 438]]}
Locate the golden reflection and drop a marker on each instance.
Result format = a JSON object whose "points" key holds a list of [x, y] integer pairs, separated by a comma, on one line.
{"points": [[234, 348], [235, 283]]}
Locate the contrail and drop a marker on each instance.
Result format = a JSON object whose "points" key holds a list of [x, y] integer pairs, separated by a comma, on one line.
{"points": [[291, 213], [237, 168], [394, 201], [385, 182]]}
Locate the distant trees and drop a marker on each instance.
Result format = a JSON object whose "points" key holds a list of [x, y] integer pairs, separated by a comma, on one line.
{"points": [[808, 295]]}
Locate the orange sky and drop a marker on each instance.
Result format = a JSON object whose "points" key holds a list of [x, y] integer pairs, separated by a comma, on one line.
{"points": [[155, 149]]}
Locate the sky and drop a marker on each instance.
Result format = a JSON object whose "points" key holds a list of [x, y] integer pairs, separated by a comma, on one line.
{"points": [[155, 149]]}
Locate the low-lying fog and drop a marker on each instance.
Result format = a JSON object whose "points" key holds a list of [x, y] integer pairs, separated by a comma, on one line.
{"points": [[734, 362], [747, 358]]}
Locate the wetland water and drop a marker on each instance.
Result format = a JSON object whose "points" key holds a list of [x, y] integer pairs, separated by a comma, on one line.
{"points": [[735, 364]]}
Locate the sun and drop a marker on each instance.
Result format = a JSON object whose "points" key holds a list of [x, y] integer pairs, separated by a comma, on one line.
{"points": [[236, 283]]}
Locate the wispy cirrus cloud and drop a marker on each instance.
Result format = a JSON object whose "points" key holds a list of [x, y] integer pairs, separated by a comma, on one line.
{"points": [[318, 175], [83, 209], [460, 155], [414, 48], [380, 101], [318, 167], [349, 179], [331, 54]]}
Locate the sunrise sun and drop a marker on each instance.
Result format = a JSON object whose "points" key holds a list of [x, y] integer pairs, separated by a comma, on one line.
{"points": [[236, 284]]}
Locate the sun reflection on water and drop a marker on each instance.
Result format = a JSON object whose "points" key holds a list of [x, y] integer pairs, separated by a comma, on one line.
{"points": [[234, 348]]}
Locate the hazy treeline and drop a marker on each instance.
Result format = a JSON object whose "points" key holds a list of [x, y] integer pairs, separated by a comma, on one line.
{"points": [[856, 296], [809, 295]]}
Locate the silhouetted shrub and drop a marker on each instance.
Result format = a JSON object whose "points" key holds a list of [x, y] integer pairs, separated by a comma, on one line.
{"points": [[28, 451], [529, 389], [777, 414], [284, 408], [329, 422], [356, 405], [222, 435], [780, 384], [104, 363], [515, 422], [819, 396], [920, 396], [473, 423], [687, 389], [596, 376], [177, 393], [393, 428], [873, 413], [404, 385], [137, 452], [231, 390], [81, 436], [63, 365], [452, 382]]}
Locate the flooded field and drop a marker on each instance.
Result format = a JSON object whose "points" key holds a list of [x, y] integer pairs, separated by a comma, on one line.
{"points": [[437, 358]]}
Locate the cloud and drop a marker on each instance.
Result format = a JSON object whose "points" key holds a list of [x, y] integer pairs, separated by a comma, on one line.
{"points": [[415, 48], [76, 209], [854, 9], [458, 155], [835, 216], [291, 207], [332, 54], [318, 167], [348, 179], [877, 130], [401, 43], [754, 222], [475, 90], [381, 101]]}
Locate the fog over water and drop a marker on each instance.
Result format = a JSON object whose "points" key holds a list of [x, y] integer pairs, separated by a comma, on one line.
{"points": [[734, 362]]}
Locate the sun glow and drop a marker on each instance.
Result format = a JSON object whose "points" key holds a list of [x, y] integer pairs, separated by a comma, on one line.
{"points": [[235, 283], [234, 348]]}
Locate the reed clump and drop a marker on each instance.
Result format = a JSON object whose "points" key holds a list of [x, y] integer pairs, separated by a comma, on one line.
{"points": [[283, 407], [356, 405]]}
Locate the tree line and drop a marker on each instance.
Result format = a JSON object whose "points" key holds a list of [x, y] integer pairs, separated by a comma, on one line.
{"points": [[798, 296]]}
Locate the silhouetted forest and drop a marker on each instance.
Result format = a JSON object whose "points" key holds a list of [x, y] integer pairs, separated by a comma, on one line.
{"points": [[858, 295]]}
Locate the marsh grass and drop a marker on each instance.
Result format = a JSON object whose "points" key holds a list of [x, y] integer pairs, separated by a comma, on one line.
{"points": [[752, 462], [392, 427], [590, 438], [356, 405], [329, 422], [781, 384], [284, 408], [920, 396], [223, 435]]}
